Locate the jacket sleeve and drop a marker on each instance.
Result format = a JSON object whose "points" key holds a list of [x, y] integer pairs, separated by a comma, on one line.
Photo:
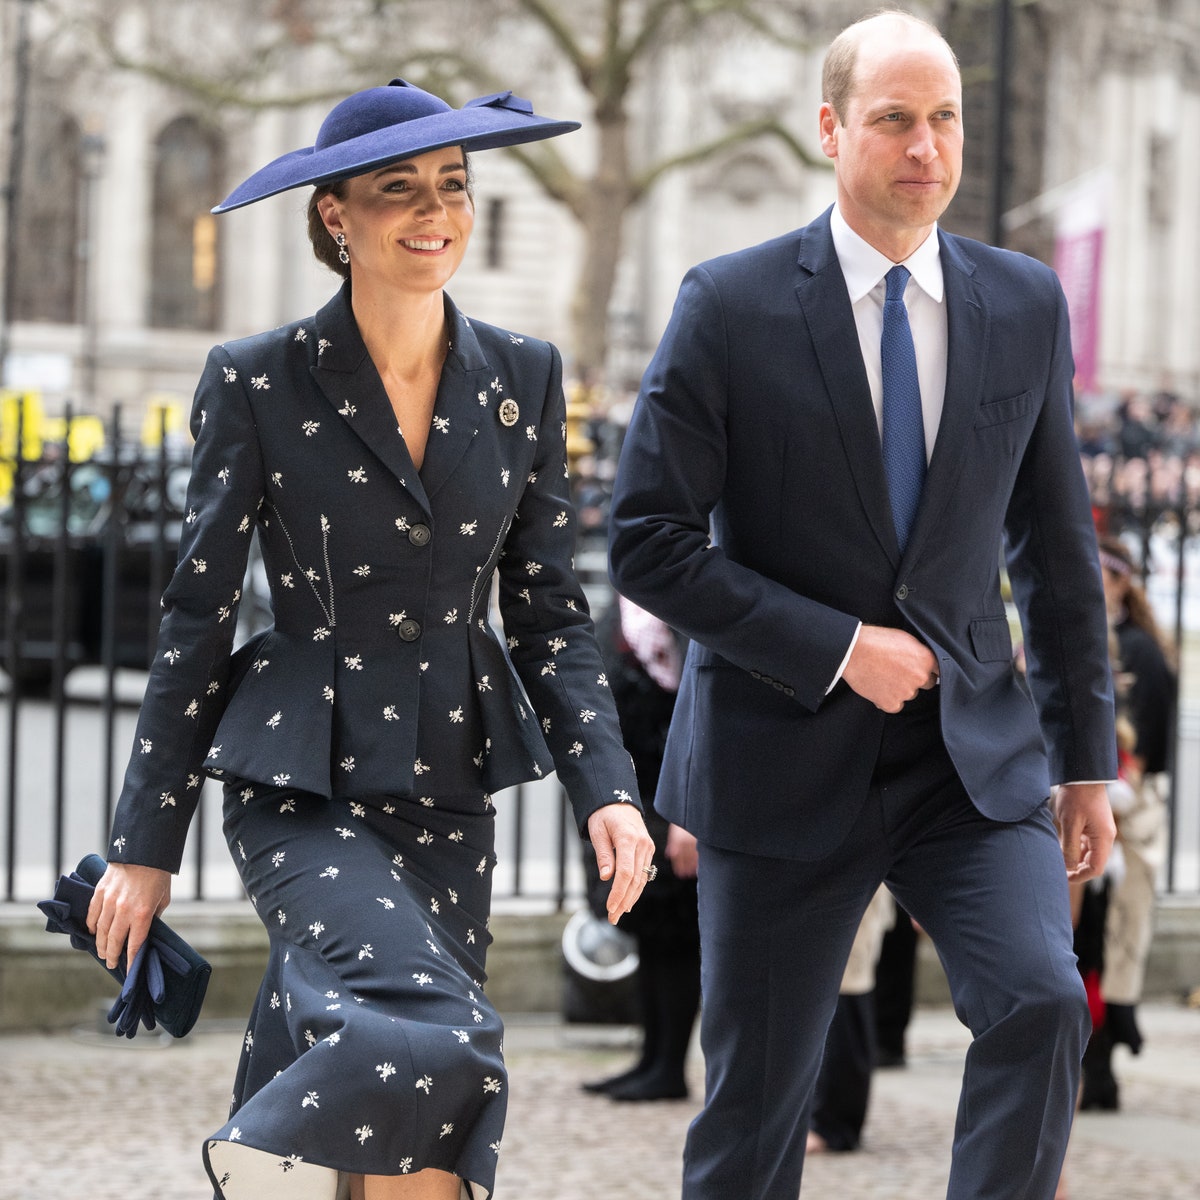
{"points": [[551, 640], [670, 479], [1055, 576], [189, 677]]}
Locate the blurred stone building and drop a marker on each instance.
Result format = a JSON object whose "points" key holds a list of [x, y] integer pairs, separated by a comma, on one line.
{"points": [[117, 279]]}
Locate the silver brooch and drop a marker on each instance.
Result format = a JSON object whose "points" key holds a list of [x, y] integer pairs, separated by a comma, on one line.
{"points": [[509, 413]]}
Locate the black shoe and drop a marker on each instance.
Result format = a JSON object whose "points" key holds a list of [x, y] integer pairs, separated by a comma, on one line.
{"points": [[1100, 1093], [602, 1087], [649, 1087]]}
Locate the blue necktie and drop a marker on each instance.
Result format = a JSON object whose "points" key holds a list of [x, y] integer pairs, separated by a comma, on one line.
{"points": [[903, 424]]}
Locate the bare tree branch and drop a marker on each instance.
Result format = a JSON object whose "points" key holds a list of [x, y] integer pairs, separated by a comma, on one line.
{"points": [[738, 135]]}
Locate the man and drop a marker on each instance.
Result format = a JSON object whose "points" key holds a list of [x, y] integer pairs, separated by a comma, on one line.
{"points": [[849, 712]]}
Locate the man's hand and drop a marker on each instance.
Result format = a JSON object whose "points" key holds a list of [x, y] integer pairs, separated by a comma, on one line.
{"points": [[1086, 828], [623, 852], [127, 899], [889, 667]]}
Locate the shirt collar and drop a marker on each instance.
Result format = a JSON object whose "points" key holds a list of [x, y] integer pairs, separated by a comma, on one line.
{"points": [[863, 267]]}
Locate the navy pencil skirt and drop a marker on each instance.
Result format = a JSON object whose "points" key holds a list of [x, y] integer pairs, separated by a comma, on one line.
{"points": [[371, 1048]]}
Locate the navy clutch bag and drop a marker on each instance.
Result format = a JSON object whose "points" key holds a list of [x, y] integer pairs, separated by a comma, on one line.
{"points": [[167, 981]]}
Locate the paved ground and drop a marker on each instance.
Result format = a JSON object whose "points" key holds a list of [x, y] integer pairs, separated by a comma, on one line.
{"points": [[82, 1115]]}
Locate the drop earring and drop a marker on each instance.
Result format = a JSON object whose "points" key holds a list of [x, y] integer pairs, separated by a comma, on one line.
{"points": [[343, 253]]}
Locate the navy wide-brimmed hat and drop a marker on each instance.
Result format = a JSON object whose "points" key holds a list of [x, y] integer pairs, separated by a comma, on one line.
{"points": [[385, 124]]}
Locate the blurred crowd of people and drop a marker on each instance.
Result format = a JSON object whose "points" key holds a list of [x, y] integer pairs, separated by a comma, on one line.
{"points": [[1141, 455], [1140, 451]]}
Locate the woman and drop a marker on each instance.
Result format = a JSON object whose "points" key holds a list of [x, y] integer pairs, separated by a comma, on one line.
{"points": [[1120, 918], [394, 458], [644, 660]]}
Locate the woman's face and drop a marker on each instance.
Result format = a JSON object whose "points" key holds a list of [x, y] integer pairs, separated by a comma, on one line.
{"points": [[1115, 587], [407, 224]]}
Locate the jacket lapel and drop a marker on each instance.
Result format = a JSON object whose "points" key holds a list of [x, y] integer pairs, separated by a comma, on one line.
{"points": [[830, 319], [966, 354], [463, 399], [348, 379]]}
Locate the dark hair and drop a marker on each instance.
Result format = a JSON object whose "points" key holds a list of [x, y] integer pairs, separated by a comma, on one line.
{"points": [[1137, 603], [324, 247]]}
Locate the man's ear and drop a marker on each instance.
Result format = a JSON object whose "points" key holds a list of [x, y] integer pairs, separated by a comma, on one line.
{"points": [[828, 124]]}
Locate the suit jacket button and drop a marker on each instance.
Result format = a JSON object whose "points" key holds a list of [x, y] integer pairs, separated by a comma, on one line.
{"points": [[777, 685], [755, 674], [902, 592], [787, 691], [419, 535], [409, 630]]}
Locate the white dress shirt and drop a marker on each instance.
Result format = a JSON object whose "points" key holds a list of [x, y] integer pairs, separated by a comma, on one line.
{"points": [[864, 269]]}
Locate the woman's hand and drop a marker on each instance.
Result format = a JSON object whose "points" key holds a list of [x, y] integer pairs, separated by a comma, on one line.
{"points": [[127, 899], [623, 852], [681, 852]]}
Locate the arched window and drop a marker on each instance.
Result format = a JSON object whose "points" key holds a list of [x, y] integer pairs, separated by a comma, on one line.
{"points": [[184, 291], [46, 277]]}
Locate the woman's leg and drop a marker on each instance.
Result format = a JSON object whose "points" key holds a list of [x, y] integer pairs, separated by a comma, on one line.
{"points": [[424, 1185]]}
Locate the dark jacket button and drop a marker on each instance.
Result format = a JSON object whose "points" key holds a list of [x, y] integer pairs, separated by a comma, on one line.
{"points": [[409, 630], [419, 535], [902, 592]]}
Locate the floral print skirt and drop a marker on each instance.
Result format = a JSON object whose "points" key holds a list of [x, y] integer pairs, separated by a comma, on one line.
{"points": [[371, 1048]]}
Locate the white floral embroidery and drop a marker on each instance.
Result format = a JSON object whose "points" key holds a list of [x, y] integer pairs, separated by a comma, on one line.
{"points": [[310, 427], [441, 424], [390, 714], [386, 1071], [357, 475], [230, 374]]}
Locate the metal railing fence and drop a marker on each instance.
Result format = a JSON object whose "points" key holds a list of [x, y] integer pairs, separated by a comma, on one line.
{"points": [[87, 544]]}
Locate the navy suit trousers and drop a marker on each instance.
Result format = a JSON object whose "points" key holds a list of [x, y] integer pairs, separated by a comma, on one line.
{"points": [[776, 933]]}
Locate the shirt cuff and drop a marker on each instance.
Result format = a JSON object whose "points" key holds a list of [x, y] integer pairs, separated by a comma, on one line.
{"points": [[849, 651]]}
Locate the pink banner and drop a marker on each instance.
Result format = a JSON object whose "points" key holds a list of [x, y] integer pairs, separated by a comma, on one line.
{"points": [[1078, 257]]}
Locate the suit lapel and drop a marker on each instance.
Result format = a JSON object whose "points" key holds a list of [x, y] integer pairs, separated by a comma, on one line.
{"points": [[830, 319], [968, 332]]}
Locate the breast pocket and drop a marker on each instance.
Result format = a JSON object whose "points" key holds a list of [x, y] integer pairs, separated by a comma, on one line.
{"points": [[1001, 412]]}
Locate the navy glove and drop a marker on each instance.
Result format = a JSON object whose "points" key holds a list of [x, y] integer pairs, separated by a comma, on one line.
{"points": [[166, 981]]}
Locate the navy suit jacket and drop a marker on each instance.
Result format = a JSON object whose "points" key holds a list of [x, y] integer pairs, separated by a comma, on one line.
{"points": [[383, 674], [751, 513]]}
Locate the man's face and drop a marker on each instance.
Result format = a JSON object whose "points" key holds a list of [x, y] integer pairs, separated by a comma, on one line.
{"points": [[897, 150]]}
